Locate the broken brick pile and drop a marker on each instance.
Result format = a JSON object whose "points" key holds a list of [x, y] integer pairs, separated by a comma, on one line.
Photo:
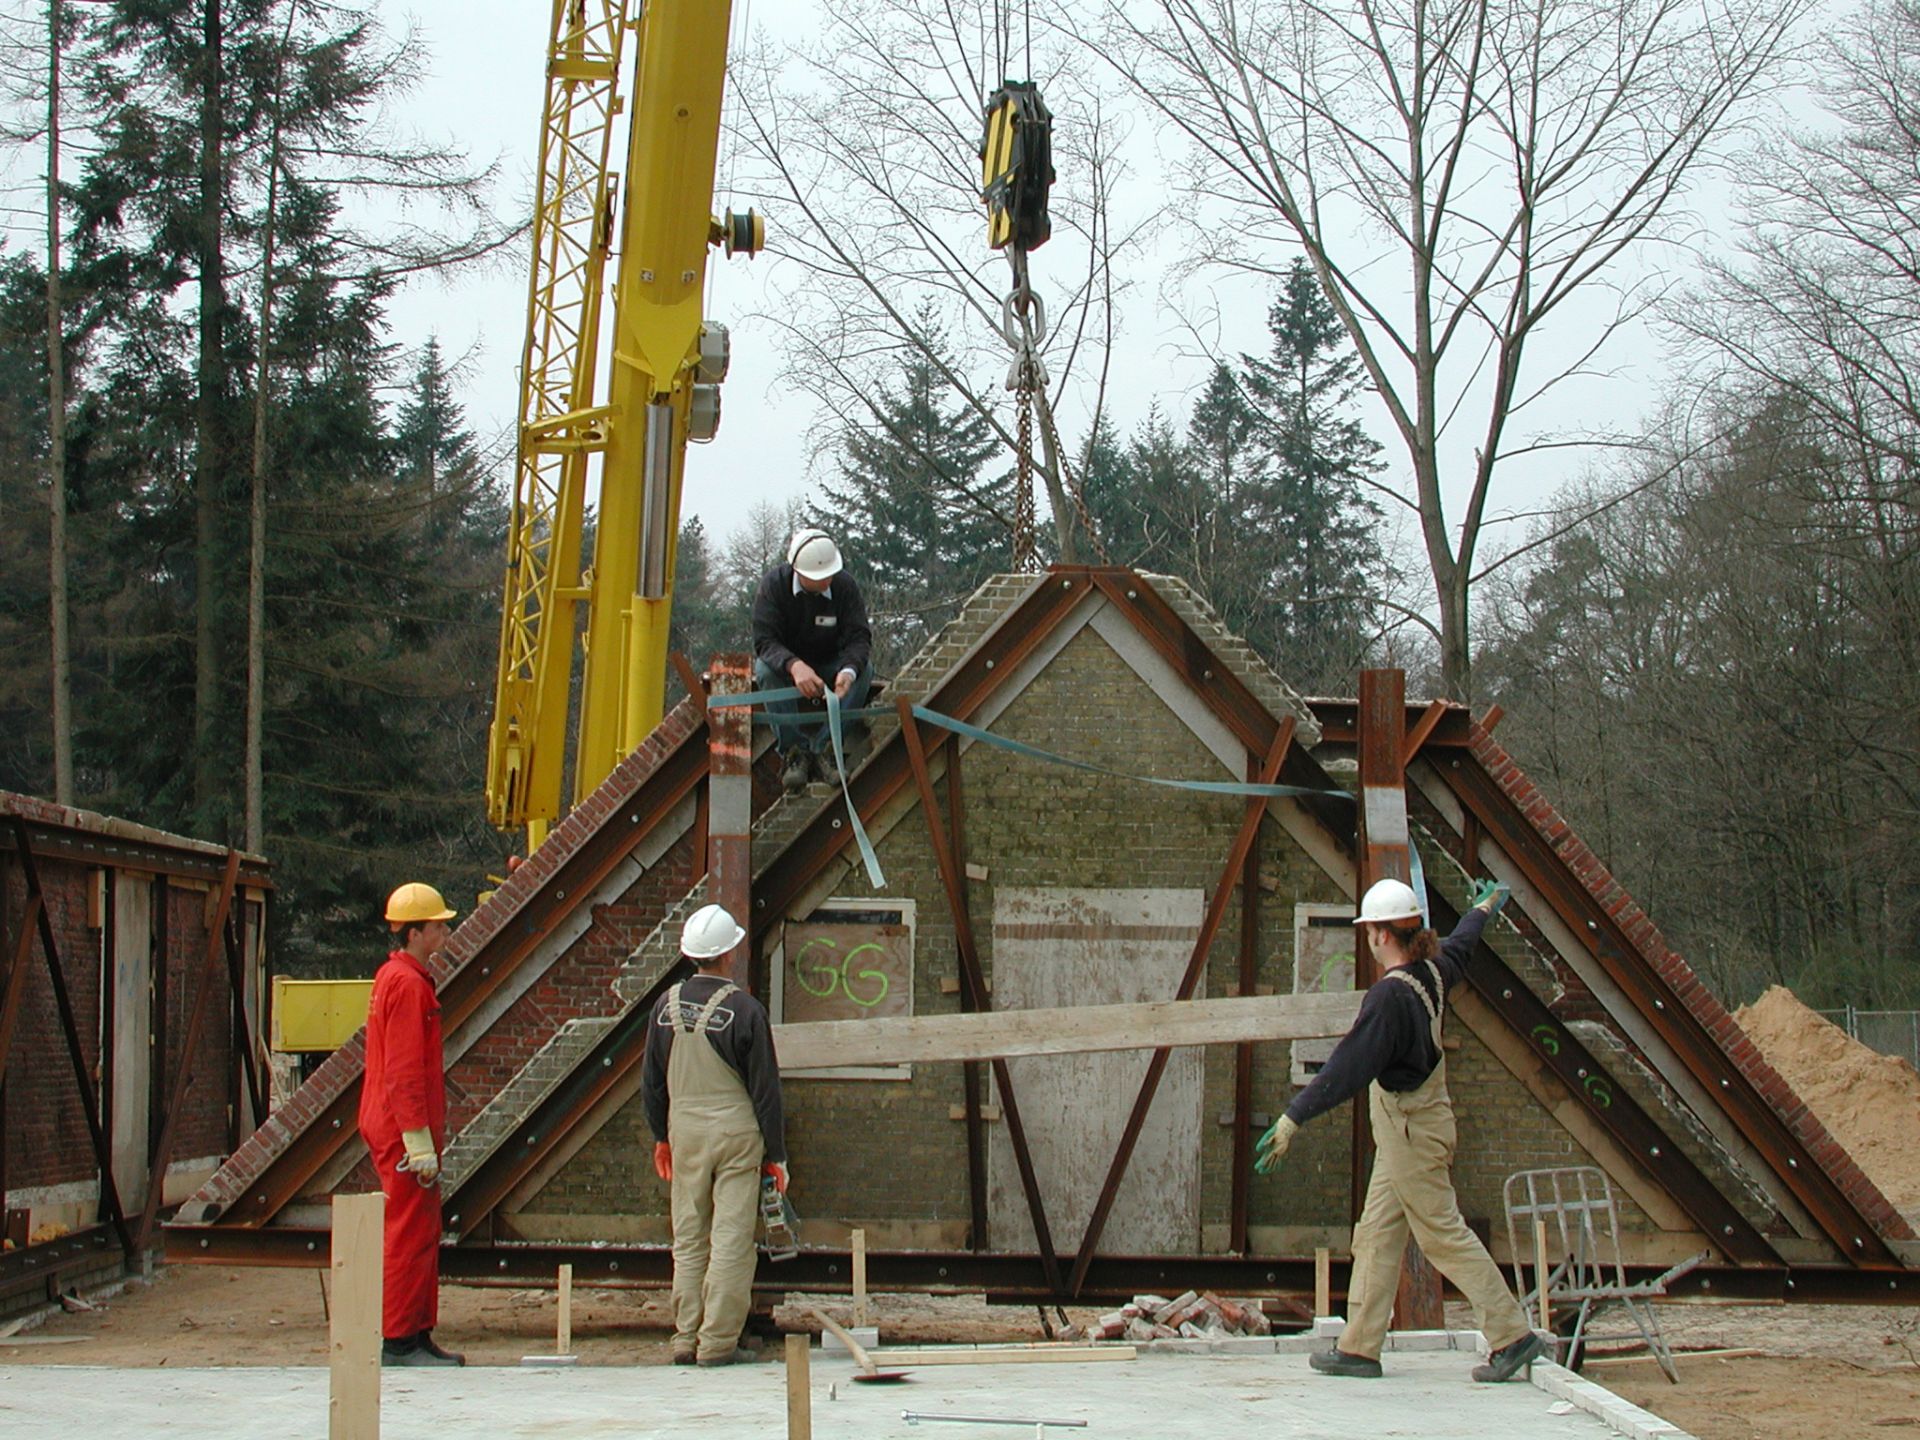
{"points": [[1203, 1316]]}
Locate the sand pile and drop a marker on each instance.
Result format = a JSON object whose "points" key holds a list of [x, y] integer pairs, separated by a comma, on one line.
{"points": [[1869, 1102]]}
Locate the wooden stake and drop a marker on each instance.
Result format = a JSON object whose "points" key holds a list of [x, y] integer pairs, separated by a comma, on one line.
{"points": [[799, 1388], [1322, 1282], [860, 1277], [353, 1403], [564, 1346], [1540, 1272]]}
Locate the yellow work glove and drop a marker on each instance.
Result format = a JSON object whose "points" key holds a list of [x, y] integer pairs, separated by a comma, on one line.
{"points": [[422, 1159], [1273, 1145]]}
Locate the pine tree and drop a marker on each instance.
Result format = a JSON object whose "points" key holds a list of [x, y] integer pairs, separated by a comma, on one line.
{"points": [[1308, 508], [921, 519]]}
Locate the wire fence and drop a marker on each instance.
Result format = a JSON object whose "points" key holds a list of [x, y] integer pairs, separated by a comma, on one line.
{"points": [[1891, 1032]]}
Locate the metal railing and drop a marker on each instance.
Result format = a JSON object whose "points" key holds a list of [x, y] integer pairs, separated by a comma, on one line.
{"points": [[1891, 1032]]}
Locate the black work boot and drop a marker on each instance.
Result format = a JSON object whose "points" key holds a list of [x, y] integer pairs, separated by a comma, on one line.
{"points": [[794, 773], [1509, 1360], [1338, 1362], [446, 1357], [411, 1352]]}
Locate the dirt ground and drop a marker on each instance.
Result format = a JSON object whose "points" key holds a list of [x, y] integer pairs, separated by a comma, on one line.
{"points": [[1823, 1370]]}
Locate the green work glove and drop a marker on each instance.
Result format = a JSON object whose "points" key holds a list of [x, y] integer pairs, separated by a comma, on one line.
{"points": [[1490, 895], [1273, 1145]]}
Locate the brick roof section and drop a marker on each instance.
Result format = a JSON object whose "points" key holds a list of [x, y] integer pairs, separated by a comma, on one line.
{"points": [[1702, 1003], [342, 1068]]}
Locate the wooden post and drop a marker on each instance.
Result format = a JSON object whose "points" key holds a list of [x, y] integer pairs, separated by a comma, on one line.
{"points": [[730, 805], [1540, 1272], [564, 1344], [860, 1277], [799, 1388], [1322, 1282], [353, 1391]]}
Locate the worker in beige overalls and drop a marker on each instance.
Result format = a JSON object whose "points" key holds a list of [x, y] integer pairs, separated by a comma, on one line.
{"points": [[711, 1085], [1394, 1051]]}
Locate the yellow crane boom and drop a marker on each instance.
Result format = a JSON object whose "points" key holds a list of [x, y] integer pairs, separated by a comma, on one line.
{"points": [[666, 363]]}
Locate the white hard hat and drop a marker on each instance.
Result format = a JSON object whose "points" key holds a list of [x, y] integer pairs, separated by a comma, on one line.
{"points": [[814, 555], [1387, 901], [709, 933]]}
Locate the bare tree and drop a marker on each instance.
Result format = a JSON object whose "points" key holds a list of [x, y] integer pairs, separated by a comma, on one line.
{"points": [[1456, 173], [864, 143]]}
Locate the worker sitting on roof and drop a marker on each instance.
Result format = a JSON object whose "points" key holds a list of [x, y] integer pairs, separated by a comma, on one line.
{"points": [[809, 632], [403, 1119], [711, 1086], [1394, 1050]]}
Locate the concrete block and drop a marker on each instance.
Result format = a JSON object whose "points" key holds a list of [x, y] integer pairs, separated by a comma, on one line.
{"points": [[866, 1336], [1329, 1327]]}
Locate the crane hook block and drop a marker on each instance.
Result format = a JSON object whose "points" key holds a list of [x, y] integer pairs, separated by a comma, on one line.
{"points": [[1016, 166]]}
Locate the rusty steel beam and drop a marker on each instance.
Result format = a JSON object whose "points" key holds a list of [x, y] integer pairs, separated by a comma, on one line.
{"points": [[110, 849], [980, 1234], [485, 971], [1243, 1054], [1339, 722], [1256, 809], [1672, 1019], [242, 1037], [1637, 1133], [1005, 1278], [82, 1080], [974, 985], [1420, 730], [729, 795], [1386, 853], [176, 1100]]}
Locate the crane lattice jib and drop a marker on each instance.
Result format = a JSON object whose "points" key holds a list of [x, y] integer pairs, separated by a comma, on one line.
{"points": [[572, 230]]}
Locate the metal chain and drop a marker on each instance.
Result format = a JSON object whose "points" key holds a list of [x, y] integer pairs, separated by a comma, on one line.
{"points": [[1074, 491], [1025, 556]]}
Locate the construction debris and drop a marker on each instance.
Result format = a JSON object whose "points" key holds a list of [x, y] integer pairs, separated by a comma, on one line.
{"points": [[1191, 1316]]}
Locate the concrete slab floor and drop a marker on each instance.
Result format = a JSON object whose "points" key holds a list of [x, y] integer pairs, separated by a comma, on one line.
{"points": [[1427, 1395]]}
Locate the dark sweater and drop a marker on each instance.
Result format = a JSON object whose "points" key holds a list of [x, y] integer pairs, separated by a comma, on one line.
{"points": [[741, 1035], [1391, 1040], [829, 630]]}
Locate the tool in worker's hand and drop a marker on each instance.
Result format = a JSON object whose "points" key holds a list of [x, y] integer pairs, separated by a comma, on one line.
{"points": [[781, 1220], [869, 1373], [1490, 895]]}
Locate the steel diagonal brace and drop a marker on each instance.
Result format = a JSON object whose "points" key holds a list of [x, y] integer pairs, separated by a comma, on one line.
{"points": [[976, 987]]}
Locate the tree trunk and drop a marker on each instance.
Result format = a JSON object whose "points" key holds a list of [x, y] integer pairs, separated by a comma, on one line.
{"points": [[210, 813], [255, 802], [57, 438]]}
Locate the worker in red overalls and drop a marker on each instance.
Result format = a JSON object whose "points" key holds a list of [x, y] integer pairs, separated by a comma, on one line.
{"points": [[403, 1119]]}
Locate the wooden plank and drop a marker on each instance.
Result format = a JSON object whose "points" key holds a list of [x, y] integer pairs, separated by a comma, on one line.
{"points": [[563, 1342], [1075, 1030], [1049, 1355], [353, 1391], [860, 1278], [799, 1388], [1322, 1282]]}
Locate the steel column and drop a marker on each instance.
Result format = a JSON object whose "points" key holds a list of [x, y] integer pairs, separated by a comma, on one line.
{"points": [[1256, 810], [1243, 1054], [974, 986], [970, 1075], [730, 805]]}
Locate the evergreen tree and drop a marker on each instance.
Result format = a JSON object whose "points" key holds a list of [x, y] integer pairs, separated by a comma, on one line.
{"points": [[1307, 507], [706, 621], [921, 520]]}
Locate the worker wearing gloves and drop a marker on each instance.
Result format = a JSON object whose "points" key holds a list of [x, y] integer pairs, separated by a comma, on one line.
{"points": [[711, 1086], [1394, 1051], [403, 1119], [810, 632]]}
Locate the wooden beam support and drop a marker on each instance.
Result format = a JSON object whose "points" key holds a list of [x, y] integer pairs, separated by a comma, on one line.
{"points": [[1069, 1030], [974, 986], [1256, 809]]}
